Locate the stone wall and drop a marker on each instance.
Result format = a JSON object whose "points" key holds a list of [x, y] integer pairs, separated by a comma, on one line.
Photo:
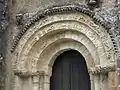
{"points": [[27, 8], [3, 27]]}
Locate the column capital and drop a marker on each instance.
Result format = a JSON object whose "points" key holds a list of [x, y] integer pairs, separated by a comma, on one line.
{"points": [[102, 69], [25, 73]]}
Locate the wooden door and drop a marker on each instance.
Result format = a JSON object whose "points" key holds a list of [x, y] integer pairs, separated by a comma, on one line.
{"points": [[70, 72]]}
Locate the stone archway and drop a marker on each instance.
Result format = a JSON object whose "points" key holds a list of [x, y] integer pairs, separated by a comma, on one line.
{"points": [[70, 72], [48, 38]]}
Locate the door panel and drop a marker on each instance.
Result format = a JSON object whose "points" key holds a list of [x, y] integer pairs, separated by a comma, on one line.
{"points": [[70, 72]]}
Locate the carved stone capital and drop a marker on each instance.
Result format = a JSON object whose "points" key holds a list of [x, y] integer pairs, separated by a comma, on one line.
{"points": [[23, 73], [102, 69]]}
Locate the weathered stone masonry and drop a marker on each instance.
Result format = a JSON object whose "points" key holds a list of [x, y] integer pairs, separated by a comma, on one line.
{"points": [[55, 10], [86, 28], [3, 26], [54, 24]]}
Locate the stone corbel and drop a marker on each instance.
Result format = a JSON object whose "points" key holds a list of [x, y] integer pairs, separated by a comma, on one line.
{"points": [[19, 19], [93, 3], [22, 18], [99, 69]]}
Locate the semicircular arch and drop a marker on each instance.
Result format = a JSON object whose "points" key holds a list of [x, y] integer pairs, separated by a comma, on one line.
{"points": [[69, 23]]}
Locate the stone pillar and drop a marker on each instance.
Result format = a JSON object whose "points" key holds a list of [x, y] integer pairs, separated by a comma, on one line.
{"points": [[111, 81], [38, 80], [41, 82], [23, 83], [92, 81], [35, 82], [104, 81], [96, 82], [17, 83], [46, 82]]}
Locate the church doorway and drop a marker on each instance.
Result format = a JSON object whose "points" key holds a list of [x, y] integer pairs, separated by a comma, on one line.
{"points": [[70, 72]]}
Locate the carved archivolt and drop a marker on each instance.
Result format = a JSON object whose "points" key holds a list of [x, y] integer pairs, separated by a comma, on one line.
{"points": [[40, 44], [62, 9], [71, 31]]}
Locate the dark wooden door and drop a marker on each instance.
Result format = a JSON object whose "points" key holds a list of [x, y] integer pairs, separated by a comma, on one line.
{"points": [[70, 72]]}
